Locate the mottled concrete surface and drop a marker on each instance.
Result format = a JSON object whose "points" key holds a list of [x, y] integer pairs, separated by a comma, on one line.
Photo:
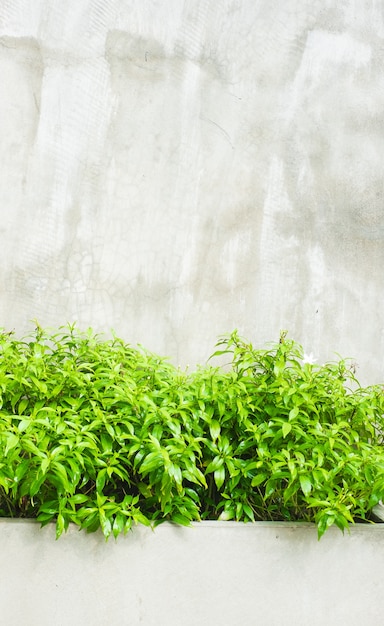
{"points": [[178, 169], [214, 573]]}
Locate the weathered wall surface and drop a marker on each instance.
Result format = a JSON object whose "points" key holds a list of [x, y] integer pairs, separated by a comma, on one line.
{"points": [[224, 573], [177, 169]]}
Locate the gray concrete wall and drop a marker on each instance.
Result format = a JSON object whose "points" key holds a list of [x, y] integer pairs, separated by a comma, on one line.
{"points": [[223, 573], [178, 169]]}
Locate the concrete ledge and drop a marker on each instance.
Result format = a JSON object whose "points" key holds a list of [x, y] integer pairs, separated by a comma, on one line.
{"points": [[215, 573]]}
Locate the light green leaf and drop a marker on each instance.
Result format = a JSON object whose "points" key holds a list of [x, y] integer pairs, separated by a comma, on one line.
{"points": [[293, 413], [105, 524], [214, 429], [12, 441], [22, 405], [269, 488], [247, 509], [219, 476], [118, 524], [286, 429], [44, 465], [306, 484], [23, 424], [100, 480], [178, 518], [215, 464], [258, 479]]}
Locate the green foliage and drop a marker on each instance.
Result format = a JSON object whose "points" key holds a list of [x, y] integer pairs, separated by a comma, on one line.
{"points": [[104, 435]]}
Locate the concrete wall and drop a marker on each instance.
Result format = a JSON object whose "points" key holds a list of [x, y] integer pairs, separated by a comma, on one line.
{"points": [[262, 574], [178, 169]]}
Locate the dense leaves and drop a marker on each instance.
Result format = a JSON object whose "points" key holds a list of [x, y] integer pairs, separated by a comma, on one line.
{"points": [[104, 435]]}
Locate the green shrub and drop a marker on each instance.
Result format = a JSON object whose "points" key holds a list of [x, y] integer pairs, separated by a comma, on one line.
{"points": [[101, 434]]}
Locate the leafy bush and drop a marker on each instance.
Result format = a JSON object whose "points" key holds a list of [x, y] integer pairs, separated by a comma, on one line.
{"points": [[101, 434]]}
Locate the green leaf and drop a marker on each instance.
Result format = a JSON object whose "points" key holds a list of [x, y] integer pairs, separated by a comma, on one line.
{"points": [[140, 518], [219, 476], [214, 429], [306, 484], [78, 498], [22, 405], [36, 485], [249, 512], [286, 429], [215, 464], [45, 465], [100, 480], [41, 385], [151, 462], [118, 524], [270, 488], [293, 413], [60, 525], [60, 472], [105, 524], [178, 518], [106, 442], [258, 479], [12, 442], [24, 424]]}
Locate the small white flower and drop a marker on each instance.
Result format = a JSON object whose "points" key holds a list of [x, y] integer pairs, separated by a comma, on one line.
{"points": [[309, 358]]}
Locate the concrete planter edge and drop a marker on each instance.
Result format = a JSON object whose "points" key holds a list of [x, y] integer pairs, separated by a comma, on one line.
{"points": [[225, 573]]}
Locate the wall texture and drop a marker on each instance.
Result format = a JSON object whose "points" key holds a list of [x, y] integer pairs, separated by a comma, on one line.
{"points": [[223, 573], [178, 169]]}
